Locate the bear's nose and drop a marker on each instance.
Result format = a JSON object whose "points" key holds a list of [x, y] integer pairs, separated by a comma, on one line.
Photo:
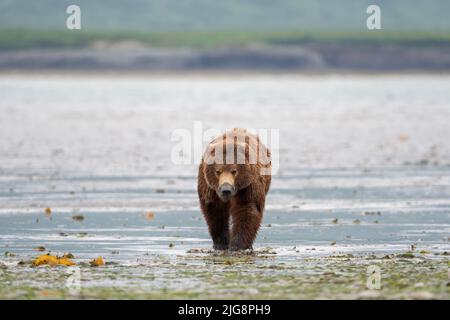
{"points": [[226, 190]]}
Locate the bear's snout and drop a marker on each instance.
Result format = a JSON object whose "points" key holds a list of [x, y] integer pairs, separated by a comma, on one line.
{"points": [[226, 191]]}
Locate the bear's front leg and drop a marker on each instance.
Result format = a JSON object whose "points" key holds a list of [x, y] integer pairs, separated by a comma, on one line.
{"points": [[217, 218], [246, 220]]}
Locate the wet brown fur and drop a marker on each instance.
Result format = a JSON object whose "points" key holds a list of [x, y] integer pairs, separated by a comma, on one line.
{"points": [[234, 224]]}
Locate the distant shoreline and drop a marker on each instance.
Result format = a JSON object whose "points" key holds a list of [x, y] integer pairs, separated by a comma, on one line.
{"points": [[194, 73], [322, 58], [278, 51]]}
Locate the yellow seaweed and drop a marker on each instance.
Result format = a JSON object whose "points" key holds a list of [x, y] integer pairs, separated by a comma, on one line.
{"points": [[47, 259]]}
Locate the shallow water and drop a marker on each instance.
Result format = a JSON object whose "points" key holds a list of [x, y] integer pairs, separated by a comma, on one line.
{"points": [[369, 151]]}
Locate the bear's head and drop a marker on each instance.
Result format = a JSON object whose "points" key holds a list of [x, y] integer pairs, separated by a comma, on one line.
{"points": [[228, 168]]}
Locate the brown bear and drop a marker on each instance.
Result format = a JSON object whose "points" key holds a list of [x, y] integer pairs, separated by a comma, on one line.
{"points": [[233, 180]]}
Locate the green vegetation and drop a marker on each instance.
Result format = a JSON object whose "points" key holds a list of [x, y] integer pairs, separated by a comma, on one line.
{"points": [[195, 15], [249, 276], [26, 39], [206, 24]]}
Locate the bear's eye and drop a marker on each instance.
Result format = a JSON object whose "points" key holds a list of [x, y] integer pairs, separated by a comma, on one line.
{"points": [[234, 172], [218, 172]]}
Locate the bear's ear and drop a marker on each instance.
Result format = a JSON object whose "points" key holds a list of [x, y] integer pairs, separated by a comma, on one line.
{"points": [[210, 154]]}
